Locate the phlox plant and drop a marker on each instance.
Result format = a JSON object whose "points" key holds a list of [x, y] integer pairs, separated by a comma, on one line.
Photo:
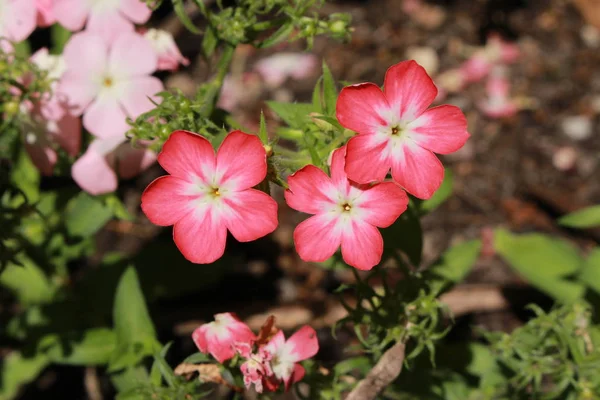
{"points": [[359, 164]]}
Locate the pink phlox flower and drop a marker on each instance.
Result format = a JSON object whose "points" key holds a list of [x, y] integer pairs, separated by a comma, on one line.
{"points": [[109, 18], [96, 170], [500, 51], [17, 19], [206, 195], [397, 131], [276, 69], [239, 90], [477, 67], [498, 102], [169, 56], [221, 337], [45, 12], [257, 371], [345, 214], [108, 83]]}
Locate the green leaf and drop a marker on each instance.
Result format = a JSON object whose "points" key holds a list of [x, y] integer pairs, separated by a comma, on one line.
{"points": [[18, 370], [209, 41], [316, 96], [85, 215], [455, 264], [117, 208], [94, 347], [26, 177], [330, 93], [28, 282], [585, 218], [262, 133], [440, 195], [197, 358], [295, 115], [277, 37], [547, 263], [130, 379], [60, 36], [590, 272], [161, 369], [361, 364], [183, 17], [405, 234]]}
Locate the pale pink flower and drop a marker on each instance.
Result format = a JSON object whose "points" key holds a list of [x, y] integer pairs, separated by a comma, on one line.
{"points": [[53, 104], [96, 170], [169, 56], [239, 90], [206, 195], [45, 12], [346, 214], [17, 19], [397, 131], [477, 67], [257, 371], [109, 18], [498, 102], [108, 83], [220, 337], [276, 69], [501, 51]]}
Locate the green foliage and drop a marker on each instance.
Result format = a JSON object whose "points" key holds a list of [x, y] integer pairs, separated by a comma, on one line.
{"points": [[585, 218]]}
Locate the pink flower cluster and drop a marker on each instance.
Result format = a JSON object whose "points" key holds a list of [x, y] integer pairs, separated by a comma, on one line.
{"points": [[207, 195], [268, 360]]}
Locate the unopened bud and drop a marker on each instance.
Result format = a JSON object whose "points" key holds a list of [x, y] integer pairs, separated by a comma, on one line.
{"points": [[268, 150], [320, 123]]}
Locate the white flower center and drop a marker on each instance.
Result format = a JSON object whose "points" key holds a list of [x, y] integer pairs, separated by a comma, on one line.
{"points": [[161, 40], [104, 6]]}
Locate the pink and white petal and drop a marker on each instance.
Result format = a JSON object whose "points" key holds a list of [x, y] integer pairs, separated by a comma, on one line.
{"points": [[441, 129], [43, 157], [86, 56], [221, 350], [337, 169], [200, 235], [367, 158], [137, 92], [45, 14], [249, 214], [317, 238], [310, 191], [110, 25], [188, 156], [362, 108], [165, 200], [71, 14], [417, 170], [93, 173], [133, 161], [105, 118], [297, 375], [199, 338], [276, 342], [132, 55], [67, 134], [303, 344], [78, 93], [362, 245], [409, 89], [241, 161], [382, 204], [135, 10], [21, 21]]}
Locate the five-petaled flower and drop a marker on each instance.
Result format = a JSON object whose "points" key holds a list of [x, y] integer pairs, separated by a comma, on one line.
{"points": [[397, 131], [206, 195], [223, 336], [346, 214]]}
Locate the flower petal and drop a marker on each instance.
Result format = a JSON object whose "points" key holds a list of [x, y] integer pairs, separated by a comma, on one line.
{"points": [[132, 161], [409, 89], [200, 236], [362, 245], [303, 344], [78, 92], [251, 214], [138, 91], [135, 10], [441, 129], [417, 170], [85, 55], [43, 157], [360, 108], [165, 202], [71, 14], [297, 375], [188, 155], [67, 133], [367, 158], [382, 204], [93, 173], [109, 24], [337, 172], [20, 21], [310, 191], [132, 55], [317, 238], [105, 118], [241, 161]]}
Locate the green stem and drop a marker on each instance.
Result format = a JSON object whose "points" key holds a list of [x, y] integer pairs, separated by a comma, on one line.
{"points": [[212, 95]]}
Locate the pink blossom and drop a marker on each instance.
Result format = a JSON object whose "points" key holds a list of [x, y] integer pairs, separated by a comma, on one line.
{"points": [[276, 69], [346, 214], [207, 195], [501, 51], [109, 18], [476, 67], [45, 12], [53, 104], [220, 337], [397, 131], [169, 56], [239, 90], [96, 170], [108, 83], [498, 102], [17, 19], [257, 371]]}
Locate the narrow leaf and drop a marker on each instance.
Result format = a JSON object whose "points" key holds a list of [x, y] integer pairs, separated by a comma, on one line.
{"points": [[183, 17], [329, 91], [585, 218]]}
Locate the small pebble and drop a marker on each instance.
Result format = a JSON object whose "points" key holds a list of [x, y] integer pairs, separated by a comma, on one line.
{"points": [[564, 158], [425, 57], [577, 127], [590, 35]]}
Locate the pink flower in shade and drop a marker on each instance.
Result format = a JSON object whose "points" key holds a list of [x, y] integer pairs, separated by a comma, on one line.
{"points": [[501, 51], [476, 67], [96, 170], [109, 18], [346, 214], [207, 195], [220, 337], [276, 69], [17, 19], [106, 83], [397, 131], [45, 12], [169, 56], [498, 103]]}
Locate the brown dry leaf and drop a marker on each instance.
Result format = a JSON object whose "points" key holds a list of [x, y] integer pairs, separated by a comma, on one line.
{"points": [[590, 11], [267, 331], [206, 373]]}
